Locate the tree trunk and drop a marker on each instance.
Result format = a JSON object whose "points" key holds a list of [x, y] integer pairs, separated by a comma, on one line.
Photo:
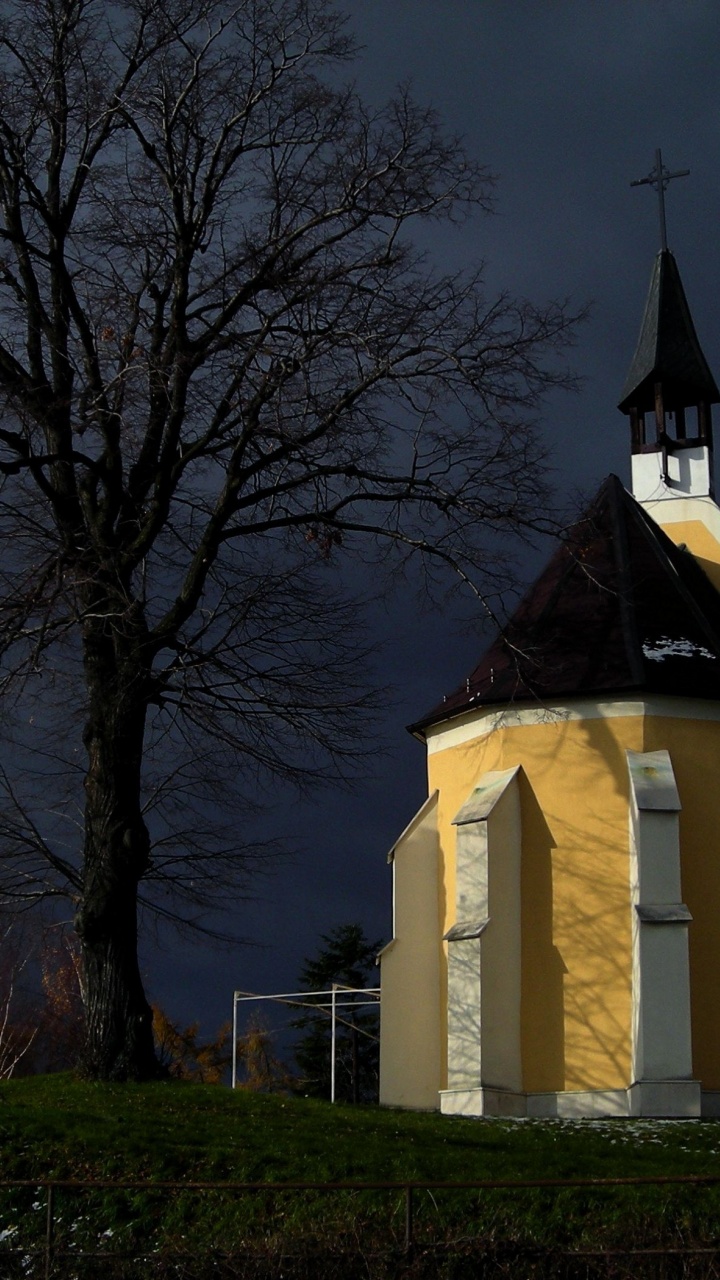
{"points": [[119, 1040], [118, 1037]]}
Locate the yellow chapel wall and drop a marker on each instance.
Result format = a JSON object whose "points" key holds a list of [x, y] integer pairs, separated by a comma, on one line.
{"points": [[699, 540], [576, 952], [409, 971]]}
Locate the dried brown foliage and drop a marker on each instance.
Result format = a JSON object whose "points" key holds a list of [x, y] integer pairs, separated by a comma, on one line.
{"points": [[184, 1056]]}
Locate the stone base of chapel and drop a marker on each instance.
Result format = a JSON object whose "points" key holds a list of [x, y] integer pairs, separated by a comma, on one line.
{"points": [[657, 1098]]}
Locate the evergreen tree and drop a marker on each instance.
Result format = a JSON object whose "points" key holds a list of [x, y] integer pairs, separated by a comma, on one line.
{"points": [[347, 958]]}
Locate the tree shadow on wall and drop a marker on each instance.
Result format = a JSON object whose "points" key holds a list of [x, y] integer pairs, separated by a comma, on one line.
{"points": [[543, 969]]}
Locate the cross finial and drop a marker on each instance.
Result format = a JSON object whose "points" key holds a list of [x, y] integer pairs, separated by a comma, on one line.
{"points": [[659, 178]]}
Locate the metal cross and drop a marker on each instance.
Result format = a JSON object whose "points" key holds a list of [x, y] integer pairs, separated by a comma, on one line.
{"points": [[659, 178]]}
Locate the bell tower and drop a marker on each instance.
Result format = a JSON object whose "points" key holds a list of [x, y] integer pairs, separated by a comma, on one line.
{"points": [[669, 389]]}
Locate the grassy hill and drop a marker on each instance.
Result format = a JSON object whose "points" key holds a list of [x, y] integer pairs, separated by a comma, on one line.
{"points": [[57, 1127]]}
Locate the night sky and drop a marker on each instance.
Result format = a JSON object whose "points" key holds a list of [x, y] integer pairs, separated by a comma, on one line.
{"points": [[566, 102]]}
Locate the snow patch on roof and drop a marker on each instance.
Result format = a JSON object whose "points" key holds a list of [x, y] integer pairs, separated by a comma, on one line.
{"points": [[665, 647]]}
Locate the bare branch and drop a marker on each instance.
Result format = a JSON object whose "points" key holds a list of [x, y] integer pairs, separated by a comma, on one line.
{"points": [[229, 381]]}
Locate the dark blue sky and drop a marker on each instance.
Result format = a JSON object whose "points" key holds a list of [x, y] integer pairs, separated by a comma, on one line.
{"points": [[565, 101]]}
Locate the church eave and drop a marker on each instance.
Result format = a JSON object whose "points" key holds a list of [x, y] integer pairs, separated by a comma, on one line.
{"points": [[697, 690]]}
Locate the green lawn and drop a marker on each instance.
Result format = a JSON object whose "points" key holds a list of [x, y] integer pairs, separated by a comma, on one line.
{"points": [[57, 1127]]}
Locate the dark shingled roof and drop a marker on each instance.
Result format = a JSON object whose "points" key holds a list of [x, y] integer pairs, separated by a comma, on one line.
{"points": [[668, 350], [618, 609]]}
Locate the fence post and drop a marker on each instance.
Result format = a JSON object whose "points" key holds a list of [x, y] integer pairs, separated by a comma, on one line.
{"points": [[408, 1219], [49, 1231]]}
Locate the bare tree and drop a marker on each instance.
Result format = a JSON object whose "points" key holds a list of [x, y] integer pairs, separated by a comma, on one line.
{"points": [[18, 1026], [225, 371]]}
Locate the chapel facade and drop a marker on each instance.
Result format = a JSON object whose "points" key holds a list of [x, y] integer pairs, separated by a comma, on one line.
{"points": [[556, 900]]}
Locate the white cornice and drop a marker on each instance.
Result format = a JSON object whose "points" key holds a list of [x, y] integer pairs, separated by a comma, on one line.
{"points": [[485, 720]]}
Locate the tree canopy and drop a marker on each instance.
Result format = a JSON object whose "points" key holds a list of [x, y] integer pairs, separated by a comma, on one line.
{"points": [[225, 372]]}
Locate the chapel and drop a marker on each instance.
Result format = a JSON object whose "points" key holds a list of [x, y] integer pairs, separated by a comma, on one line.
{"points": [[556, 900]]}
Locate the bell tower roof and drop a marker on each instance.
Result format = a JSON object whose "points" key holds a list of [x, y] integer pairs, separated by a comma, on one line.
{"points": [[668, 351], [669, 376]]}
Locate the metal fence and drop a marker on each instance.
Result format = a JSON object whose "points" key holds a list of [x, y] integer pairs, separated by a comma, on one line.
{"points": [[405, 1193]]}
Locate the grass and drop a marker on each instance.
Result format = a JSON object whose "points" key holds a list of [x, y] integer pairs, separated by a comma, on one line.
{"points": [[58, 1127]]}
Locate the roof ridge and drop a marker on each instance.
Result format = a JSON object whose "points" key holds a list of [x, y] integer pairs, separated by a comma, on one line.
{"points": [[657, 536], [628, 613]]}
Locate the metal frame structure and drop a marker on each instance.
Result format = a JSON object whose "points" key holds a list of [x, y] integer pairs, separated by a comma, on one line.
{"points": [[294, 998]]}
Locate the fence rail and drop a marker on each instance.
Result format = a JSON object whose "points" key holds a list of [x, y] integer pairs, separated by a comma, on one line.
{"points": [[407, 1188]]}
